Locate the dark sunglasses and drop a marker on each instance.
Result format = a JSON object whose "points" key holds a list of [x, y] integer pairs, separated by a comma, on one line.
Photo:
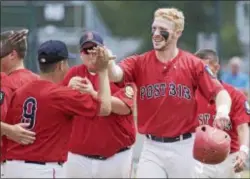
{"points": [[86, 49]]}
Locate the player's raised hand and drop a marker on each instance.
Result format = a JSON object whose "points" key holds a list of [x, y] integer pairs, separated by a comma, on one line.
{"points": [[19, 134], [100, 57], [240, 163], [18, 36]]}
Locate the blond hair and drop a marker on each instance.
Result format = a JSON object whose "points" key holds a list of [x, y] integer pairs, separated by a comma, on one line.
{"points": [[172, 14]]}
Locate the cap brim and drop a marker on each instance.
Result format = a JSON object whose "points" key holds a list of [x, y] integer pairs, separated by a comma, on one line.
{"points": [[71, 56], [93, 41]]}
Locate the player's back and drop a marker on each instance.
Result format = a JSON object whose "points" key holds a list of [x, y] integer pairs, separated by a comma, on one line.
{"points": [[22, 76], [39, 104]]}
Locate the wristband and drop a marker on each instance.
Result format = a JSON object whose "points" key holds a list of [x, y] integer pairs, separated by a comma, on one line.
{"points": [[223, 109], [245, 149]]}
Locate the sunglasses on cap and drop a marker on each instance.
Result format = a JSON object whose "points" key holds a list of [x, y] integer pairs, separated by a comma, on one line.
{"points": [[88, 46], [86, 49]]}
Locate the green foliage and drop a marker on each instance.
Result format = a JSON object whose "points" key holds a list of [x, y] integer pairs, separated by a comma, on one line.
{"points": [[134, 18]]}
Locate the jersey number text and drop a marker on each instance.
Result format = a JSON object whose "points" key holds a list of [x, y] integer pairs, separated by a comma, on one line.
{"points": [[29, 112]]}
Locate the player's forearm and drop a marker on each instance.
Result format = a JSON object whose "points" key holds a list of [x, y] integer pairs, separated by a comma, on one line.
{"points": [[115, 72], [223, 102], [117, 105], [5, 128], [243, 133], [104, 93]]}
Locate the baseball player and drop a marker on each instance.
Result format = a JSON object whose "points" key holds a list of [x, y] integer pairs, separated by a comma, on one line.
{"points": [[238, 129], [12, 53], [15, 132], [100, 147], [167, 78], [49, 109]]}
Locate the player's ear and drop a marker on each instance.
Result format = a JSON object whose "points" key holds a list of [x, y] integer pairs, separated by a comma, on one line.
{"points": [[59, 66], [178, 34], [13, 55], [217, 66]]}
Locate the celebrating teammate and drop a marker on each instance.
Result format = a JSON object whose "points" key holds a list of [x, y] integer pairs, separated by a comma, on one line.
{"points": [[16, 132], [48, 108], [238, 128], [13, 50], [167, 78], [100, 147]]}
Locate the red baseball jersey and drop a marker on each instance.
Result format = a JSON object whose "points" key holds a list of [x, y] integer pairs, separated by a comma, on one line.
{"points": [[5, 94], [166, 91], [239, 114], [15, 80], [49, 108], [102, 136]]}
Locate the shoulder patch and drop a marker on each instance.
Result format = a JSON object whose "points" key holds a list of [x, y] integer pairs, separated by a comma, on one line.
{"points": [[247, 107], [209, 71], [2, 94], [129, 92]]}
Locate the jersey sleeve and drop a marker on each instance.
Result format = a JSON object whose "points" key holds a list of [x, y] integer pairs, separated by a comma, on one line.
{"points": [[73, 102], [127, 95], [241, 108], [129, 67], [206, 81]]}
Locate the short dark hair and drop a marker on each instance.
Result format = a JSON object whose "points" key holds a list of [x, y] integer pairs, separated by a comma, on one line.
{"points": [[47, 68], [207, 54], [18, 43]]}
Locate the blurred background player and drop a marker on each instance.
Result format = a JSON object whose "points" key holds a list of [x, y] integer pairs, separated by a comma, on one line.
{"points": [[100, 147], [235, 76], [49, 108], [12, 53], [167, 78], [238, 129]]}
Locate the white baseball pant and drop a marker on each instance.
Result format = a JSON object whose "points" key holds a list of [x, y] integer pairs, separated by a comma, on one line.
{"points": [[20, 169], [117, 166], [2, 169], [166, 160], [222, 170]]}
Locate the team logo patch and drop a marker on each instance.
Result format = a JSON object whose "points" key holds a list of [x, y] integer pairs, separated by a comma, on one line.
{"points": [[247, 107], [1, 97], [129, 92], [90, 36], [209, 71]]}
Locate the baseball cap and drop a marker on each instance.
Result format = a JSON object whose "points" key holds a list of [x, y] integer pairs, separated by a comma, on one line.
{"points": [[53, 51], [91, 36]]}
